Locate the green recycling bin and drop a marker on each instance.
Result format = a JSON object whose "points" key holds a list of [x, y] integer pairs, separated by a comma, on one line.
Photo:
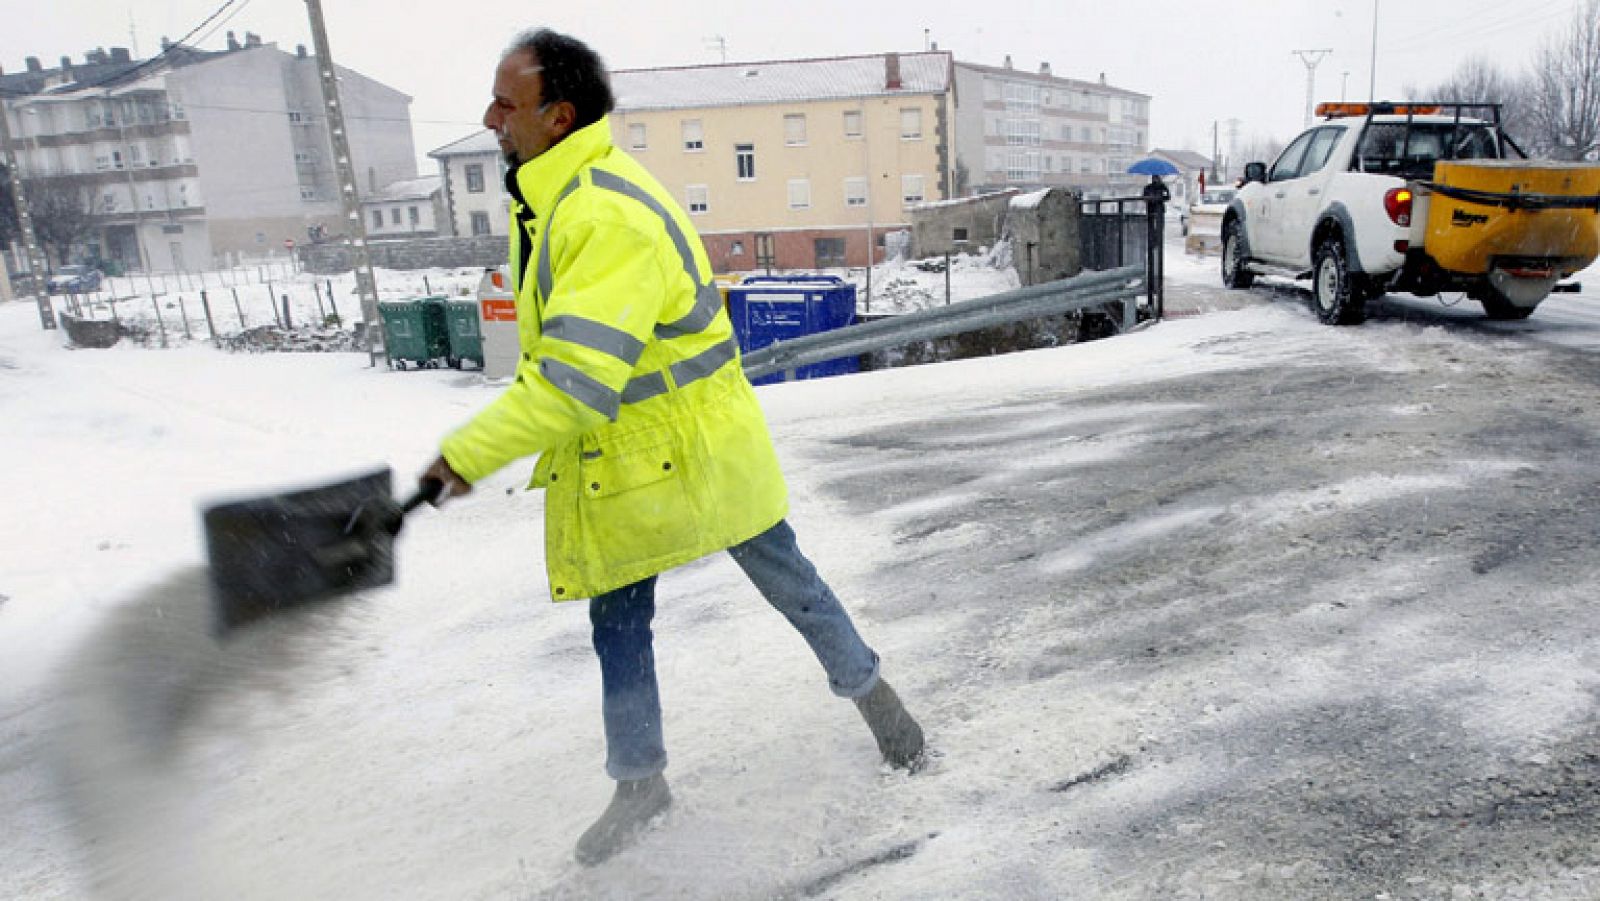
{"points": [[465, 331], [414, 331]]}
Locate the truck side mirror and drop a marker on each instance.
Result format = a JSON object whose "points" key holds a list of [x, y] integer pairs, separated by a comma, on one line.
{"points": [[1255, 172]]}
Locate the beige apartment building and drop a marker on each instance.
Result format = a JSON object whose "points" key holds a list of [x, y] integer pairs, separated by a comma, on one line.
{"points": [[794, 164]]}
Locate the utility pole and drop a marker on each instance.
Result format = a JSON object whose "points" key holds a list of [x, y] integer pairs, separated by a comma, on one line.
{"points": [[1311, 58], [1216, 148], [366, 282], [1344, 82], [30, 242], [1372, 75]]}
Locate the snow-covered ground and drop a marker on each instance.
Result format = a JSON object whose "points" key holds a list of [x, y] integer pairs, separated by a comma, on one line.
{"points": [[1236, 606]]}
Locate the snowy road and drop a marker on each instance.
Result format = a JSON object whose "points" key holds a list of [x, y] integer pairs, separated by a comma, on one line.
{"points": [[1238, 606]]}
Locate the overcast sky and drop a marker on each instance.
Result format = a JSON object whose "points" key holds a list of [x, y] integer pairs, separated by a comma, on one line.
{"points": [[1234, 61]]}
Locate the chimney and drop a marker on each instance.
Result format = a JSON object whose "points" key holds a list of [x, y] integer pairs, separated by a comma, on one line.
{"points": [[120, 55], [33, 64], [95, 57], [935, 47], [166, 44], [1044, 69], [66, 67], [233, 42], [1102, 78], [891, 71], [1008, 60], [251, 39], [300, 50]]}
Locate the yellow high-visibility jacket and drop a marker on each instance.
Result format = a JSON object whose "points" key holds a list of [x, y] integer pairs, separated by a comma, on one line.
{"points": [[654, 450]]}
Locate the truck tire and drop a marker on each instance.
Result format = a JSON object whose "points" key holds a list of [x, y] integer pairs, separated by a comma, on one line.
{"points": [[1333, 289], [1497, 307], [1235, 274]]}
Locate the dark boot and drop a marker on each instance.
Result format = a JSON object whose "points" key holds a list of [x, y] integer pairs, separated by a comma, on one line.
{"points": [[625, 819], [899, 737]]}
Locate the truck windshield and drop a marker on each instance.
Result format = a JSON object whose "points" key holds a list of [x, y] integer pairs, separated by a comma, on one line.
{"points": [[1411, 149]]}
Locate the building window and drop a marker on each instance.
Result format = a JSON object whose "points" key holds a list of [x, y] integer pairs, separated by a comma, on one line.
{"points": [[108, 203], [794, 129], [852, 123], [737, 250], [911, 124], [394, 215], [694, 136], [116, 159], [744, 157], [958, 234], [308, 194], [855, 192], [829, 252], [474, 178], [377, 219], [799, 194], [699, 199], [480, 222], [416, 218], [637, 136], [135, 155], [295, 117], [910, 189]]}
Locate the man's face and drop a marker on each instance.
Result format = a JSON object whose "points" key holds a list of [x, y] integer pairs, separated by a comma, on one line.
{"points": [[518, 115]]}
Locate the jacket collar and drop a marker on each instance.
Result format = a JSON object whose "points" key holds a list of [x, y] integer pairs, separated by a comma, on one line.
{"points": [[538, 182]]}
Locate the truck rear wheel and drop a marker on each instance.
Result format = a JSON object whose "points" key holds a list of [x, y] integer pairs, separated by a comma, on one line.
{"points": [[1333, 289], [1234, 272], [1497, 307]]}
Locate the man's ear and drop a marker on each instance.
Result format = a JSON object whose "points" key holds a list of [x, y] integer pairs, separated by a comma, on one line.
{"points": [[563, 117]]}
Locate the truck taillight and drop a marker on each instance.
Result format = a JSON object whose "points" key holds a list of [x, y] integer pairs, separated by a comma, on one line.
{"points": [[1397, 203]]}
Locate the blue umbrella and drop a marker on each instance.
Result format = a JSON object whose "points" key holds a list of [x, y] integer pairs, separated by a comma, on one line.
{"points": [[1153, 166]]}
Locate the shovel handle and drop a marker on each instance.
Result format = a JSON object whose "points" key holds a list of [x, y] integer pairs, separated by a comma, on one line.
{"points": [[428, 491]]}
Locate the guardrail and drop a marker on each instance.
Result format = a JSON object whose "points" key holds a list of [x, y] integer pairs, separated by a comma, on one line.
{"points": [[1066, 295]]}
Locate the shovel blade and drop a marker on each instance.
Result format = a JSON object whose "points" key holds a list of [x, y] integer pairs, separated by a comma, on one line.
{"points": [[273, 553]]}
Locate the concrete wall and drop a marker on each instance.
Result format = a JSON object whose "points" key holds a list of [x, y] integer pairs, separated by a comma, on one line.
{"points": [[419, 253], [933, 227], [1044, 235]]}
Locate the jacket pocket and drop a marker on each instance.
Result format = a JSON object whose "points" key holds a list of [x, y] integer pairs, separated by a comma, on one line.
{"points": [[634, 505]]}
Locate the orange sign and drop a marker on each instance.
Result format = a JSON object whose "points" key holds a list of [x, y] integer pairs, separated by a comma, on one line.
{"points": [[498, 310]]}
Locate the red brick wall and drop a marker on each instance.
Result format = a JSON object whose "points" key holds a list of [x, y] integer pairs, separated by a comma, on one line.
{"points": [[791, 249]]}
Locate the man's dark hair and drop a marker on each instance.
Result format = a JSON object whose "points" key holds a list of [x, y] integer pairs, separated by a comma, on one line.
{"points": [[571, 72]]}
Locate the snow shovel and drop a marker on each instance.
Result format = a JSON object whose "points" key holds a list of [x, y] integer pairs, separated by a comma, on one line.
{"points": [[275, 553]]}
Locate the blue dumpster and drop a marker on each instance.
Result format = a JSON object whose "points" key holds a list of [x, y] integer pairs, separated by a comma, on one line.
{"points": [[766, 309]]}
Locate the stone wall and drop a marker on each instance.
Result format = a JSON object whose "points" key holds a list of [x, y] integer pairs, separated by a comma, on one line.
{"points": [[934, 226], [417, 253], [1043, 228]]}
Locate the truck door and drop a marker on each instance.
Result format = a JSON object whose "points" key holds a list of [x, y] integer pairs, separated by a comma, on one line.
{"points": [[1266, 234], [1304, 196]]}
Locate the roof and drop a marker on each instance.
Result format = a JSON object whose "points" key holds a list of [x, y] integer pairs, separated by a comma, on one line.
{"points": [[1054, 80], [419, 188], [483, 141], [1184, 159], [779, 81]]}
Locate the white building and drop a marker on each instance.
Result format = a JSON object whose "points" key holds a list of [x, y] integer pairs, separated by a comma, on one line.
{"points": [[473, 174], [1024, 129], [192, 156], [409, 208]]}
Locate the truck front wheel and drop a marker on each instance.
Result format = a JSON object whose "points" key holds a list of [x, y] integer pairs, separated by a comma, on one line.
{"points": [[1333, 288], [1235, 274]]}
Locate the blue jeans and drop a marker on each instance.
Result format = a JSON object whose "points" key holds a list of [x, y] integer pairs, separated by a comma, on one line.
{"points": [[630, 700]]}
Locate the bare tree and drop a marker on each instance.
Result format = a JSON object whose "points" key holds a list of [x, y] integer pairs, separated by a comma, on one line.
{"points": [[62, 218], [1479, 80], [1565, 88]]}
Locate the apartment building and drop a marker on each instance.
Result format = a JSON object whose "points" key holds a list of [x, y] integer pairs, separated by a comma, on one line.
{"points": [[1021, 129], [194, 156], [409, 208], [794, 164]]}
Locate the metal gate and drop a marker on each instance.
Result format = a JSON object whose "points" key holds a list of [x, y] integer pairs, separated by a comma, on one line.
{"points": [[1125, 231]]}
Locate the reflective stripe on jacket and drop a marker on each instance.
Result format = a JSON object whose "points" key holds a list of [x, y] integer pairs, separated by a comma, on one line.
{"points": [[654, 451]]}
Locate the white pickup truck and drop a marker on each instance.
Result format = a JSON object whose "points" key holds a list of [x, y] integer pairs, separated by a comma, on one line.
{"points": [[1417, 198]]}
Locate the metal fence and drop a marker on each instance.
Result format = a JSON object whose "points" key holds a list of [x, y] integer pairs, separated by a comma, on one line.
{"points": [[1124, 231], [1081, 292]]}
